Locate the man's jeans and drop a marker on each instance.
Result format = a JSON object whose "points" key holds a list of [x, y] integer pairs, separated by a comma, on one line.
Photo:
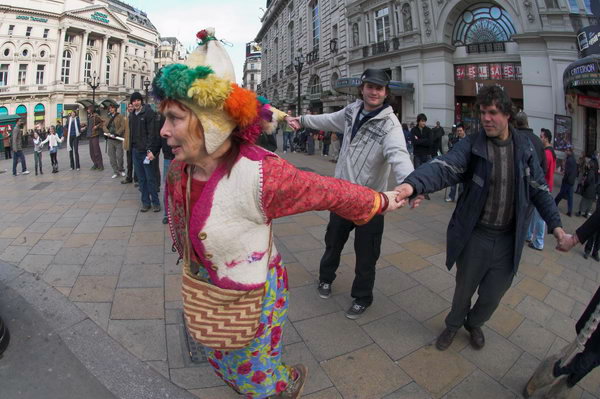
{"points": [[537, 229], [566, 191], [18, 155], [146, 178], [287, 139]]}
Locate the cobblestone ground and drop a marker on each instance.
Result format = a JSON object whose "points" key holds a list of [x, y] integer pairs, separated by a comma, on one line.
{"points": [[82, 233]]}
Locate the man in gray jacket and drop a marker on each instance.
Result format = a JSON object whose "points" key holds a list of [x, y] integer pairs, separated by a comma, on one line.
{"points": [[373, 145], [17, 147]]}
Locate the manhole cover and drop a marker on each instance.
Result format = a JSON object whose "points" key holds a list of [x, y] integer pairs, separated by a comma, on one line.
{"points": [[41, 186], [195, 351]]}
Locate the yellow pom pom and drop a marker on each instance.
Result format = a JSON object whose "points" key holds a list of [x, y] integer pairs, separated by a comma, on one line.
{"points": [[210, 92]]}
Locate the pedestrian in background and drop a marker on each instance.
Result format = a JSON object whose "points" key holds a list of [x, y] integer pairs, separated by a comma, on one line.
{"points": [[37, 153], [115, 128], [568, 182], [6, 140], [53, 143], [94, 128], [17, 145], [288, 135], [588, 190], [73, 129], [422, 141]]}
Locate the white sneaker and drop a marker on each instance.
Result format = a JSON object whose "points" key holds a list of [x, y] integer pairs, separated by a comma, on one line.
{"points": [[114, 176], [123, 174], [26, 172]]}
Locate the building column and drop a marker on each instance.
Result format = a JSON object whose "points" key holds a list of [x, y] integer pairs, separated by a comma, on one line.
{"points": [[102, 72], [61, 47], [121, 64], [82, 57]]}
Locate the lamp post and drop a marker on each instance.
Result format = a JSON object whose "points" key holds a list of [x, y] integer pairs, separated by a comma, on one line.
{"points": [[298, 64], [94, 83], [147, 84]]}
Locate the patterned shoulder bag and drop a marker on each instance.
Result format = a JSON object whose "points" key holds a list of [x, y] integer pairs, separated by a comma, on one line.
{"points": [[217, 318]]}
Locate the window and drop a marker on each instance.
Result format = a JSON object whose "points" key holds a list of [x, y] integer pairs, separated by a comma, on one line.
{"points": [[11, 29], [588, 6], [110, 46], [382, 24], [46, 31], [87, 67], [483, 23], [133, 81], [28, 31], [314, 85], [69, 38], [66, 67], [126, 49], [91, 42], [124, 78], [42, 53], [355, 35], [6, 52], [25, 53], [107, 70], [276, 54], [552, 4], [4, 75], [39, 75], [135, 51], [141, 81], [22, 76], [251, 66], [316, 24], [251, 77]]}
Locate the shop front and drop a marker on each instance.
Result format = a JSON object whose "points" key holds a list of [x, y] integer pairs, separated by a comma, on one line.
{"points": [[469, 78]]}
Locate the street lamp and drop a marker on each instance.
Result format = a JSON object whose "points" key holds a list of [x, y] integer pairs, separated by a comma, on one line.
{"points": [[147, 84], [94, 83], [298, 64]]}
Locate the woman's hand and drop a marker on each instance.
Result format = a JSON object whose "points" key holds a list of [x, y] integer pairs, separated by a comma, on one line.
{"points": [[393, 202]]}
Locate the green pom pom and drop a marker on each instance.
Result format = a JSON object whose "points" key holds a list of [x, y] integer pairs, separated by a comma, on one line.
{"points": [[176, 79], [263, 100]]}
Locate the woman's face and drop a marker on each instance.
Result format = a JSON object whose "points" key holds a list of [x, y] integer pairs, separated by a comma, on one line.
{"points": [[187, 145]]}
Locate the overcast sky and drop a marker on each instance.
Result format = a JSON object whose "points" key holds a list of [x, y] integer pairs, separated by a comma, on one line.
{"points": [[235, 21]]}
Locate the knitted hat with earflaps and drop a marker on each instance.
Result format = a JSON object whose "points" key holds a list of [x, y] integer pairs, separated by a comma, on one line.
{"points": [[206, 85]]}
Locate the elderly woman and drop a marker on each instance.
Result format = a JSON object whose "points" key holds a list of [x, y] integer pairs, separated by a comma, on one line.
{"points": [[222, 194]]}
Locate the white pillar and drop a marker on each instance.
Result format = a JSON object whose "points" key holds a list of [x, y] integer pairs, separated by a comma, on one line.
{"points": [[61, 47], [102, 72], [121, 64], [82, 57]]}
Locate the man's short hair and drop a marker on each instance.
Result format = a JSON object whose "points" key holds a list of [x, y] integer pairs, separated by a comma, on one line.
{"points": [[547, 135], [111, 105], [421, 117], [495, 95], [521, 120], [460, 125]]}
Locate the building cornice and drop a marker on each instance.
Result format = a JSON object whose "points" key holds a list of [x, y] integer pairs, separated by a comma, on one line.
{"points": [[267, 20]]}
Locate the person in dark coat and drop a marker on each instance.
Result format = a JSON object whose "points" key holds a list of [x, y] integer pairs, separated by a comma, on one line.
{"points": [[588, 191], [437, 134], [568, 182], [552, 370], [522, 127], [502, 179], [422, 141]]}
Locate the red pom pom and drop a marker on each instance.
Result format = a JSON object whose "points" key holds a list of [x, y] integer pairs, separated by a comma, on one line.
{"points": [[202, 34]]}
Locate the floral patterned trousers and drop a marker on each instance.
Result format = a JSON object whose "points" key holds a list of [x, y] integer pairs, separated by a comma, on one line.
{"points": [[256, 371]]}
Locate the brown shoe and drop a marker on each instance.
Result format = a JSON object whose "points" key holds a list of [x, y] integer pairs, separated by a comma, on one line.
{"points": [[445, 339], [477, 337], [296, 385]]}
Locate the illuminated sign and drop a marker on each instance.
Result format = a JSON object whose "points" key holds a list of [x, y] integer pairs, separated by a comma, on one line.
{"points": [[34, 19], [100, 17]]}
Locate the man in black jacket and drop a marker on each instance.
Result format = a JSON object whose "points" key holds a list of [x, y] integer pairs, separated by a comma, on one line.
{"points": [[522, 127], [437, 134], [568, 183], [422, 141], [502, 179], [145, 143]]}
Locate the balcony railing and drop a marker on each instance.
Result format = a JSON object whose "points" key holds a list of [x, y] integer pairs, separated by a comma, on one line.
{"points": [[313, 56], [485, 48], [42, 88], [289, 70], [380, 47]]}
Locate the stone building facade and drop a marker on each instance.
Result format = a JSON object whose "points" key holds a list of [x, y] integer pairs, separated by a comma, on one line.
{"points": [[437, 52], [252, 70], [170, 51], [50, 50]]}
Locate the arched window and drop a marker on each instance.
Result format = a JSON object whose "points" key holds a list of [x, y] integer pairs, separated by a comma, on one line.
{"points": [[290, 92], [334, 78], [66, 67], [355, 35], [87, 67], [314, 85], [483, 23], [3, 111], [107, 70]]}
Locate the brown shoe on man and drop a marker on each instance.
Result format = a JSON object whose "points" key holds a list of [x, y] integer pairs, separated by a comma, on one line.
{"points": [[445, 339], [477, 337]]}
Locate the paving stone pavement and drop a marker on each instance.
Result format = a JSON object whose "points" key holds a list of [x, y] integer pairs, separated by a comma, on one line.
{"points": [[83, 234]]}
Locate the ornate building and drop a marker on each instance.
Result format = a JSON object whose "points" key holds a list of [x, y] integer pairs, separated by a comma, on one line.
{"points": [[252, 67], [437, 52], [50, 50], [169, 51]]}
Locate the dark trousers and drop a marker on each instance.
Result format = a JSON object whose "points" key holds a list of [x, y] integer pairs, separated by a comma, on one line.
{"points": [[37, 160], [53, 161], [18, 155], [566, 191], [146, 178], [485, 265], [7, 153], [593, 244], [95, 152], [421, 159], [578, 367], [129, 165], [74, 152], [325, 148], [367, 246]]}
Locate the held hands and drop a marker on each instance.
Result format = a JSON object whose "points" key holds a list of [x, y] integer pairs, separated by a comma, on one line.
{"points": [[405, 191], [565, 242], [393, 201], [150, 155], [293, 122]]}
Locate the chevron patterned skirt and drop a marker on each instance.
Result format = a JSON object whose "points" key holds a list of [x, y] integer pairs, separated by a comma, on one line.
{"points": [[256, 371]]}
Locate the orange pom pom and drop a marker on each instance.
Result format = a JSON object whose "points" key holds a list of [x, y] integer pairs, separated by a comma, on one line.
{"points": [[242, 105]]}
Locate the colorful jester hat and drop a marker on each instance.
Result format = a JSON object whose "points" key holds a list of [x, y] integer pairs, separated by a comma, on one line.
{"points": [[206, 85]]}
